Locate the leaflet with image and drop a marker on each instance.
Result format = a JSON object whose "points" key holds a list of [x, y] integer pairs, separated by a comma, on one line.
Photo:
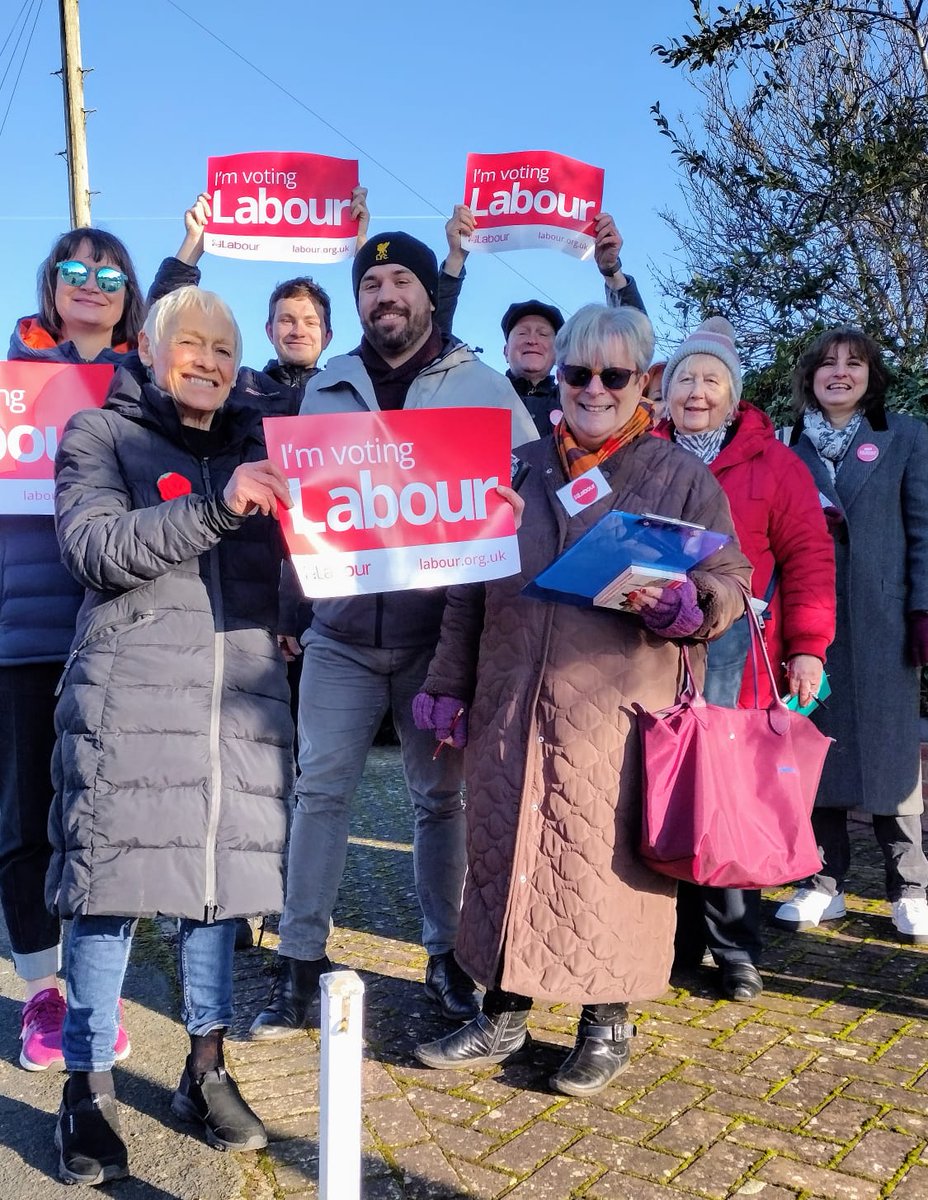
{"points": [[616, 593]]}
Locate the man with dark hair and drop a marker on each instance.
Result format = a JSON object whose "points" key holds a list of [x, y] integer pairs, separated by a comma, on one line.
{"points": [[299, 317], [365, 652]]}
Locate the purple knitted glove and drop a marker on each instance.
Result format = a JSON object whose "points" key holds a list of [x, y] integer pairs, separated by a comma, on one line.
{"points": [[446, 715], [676, 614]]}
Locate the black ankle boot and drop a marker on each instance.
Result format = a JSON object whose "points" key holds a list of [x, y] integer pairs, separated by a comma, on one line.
{"points": [[600, 1053], [451, 988], [293, 996], [88, 1136], [480, 1043], [214, 1101]]}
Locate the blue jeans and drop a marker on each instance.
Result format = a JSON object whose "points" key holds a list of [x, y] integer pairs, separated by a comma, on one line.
{"points": [[344, 692], [98, 953]]}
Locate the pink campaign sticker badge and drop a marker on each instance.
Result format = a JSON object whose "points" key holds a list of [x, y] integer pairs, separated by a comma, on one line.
{"points": [[583, 491], [868, 452]]}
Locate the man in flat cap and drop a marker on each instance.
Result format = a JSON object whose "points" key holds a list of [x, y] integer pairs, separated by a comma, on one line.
{"points": [[367, 652]]}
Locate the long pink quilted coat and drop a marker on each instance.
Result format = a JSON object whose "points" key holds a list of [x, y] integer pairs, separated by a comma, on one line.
{"points": [[555, 890]]}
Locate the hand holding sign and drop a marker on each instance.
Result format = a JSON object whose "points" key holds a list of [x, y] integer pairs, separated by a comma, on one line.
{"points": [[196, 218], [532, 198], [257, 487]]}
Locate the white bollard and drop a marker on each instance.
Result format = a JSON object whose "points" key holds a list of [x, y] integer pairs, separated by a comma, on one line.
{"points": [[340, 1024]]}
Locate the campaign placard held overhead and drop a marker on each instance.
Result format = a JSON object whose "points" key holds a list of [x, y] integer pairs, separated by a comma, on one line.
{"points": [[388, 501], [281, 207], [36, 400], [532, 200]]}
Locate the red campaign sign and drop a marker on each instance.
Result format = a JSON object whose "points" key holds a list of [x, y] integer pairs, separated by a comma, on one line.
{"points": [[387, 501], [532, 199], [36, 400], [281, 207]]}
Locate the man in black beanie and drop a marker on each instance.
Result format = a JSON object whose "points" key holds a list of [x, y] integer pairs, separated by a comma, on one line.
{"points": [[365, 653]]}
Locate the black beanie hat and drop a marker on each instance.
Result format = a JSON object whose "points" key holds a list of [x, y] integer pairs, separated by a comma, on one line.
{"points": [[397, 249]]}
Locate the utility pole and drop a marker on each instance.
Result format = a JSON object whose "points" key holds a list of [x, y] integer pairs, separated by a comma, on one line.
{"points": [[72, 79]]}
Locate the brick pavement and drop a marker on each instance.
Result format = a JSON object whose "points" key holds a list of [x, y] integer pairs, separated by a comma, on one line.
{"points": [[819, 1089]]}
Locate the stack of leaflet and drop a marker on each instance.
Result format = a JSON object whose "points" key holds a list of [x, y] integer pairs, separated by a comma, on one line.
{"points": [[622, 552]]}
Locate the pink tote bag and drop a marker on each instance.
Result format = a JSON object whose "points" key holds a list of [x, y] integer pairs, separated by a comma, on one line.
{"points": [[728, 792]]}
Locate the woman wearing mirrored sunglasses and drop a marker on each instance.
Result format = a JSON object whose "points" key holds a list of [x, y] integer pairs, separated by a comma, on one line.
{"points": [[776, 511], [558, 905], [89, 320]]}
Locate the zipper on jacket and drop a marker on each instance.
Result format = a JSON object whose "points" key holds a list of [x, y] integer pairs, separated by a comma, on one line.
{"points": [[215, 762], [141, 618]]}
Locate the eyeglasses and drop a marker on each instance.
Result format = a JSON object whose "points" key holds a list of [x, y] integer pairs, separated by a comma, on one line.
{"points": [[613, 378], [76, 274]]}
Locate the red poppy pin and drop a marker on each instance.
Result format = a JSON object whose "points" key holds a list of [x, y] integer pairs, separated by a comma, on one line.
{"points": [[171, 485]]}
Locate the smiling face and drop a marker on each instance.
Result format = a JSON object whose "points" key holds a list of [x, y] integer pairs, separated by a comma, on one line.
{"points": [[395, 312], [86, 310], [529, 349], [840, 383], [700, 396], [298, 331], [595, 413], [195, 362]]}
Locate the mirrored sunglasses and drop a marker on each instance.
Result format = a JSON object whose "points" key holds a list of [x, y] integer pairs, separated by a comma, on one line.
{"points": [[76, 274], [613, 378]]}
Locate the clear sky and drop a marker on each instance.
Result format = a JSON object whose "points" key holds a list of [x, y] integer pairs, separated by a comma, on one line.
{"points": [[414, 86]]}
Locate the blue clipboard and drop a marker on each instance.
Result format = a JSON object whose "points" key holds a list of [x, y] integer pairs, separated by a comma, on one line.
{"points": [[617, 541]]}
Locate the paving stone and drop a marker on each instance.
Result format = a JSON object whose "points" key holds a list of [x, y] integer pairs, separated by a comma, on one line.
{"points": [[615, 1186], [620, 1156], [842, 1119], [830, 1185], [879, 1154], [480, 1183], [394, 1122], [712, 1075], [513, 1113], [667, 1100], [554, 1180], [589, 1117], [459, 1140], [526, 1151], [715, 1172], [427, 1173], [690, 1132], [810, 1149], [913, 1185]]}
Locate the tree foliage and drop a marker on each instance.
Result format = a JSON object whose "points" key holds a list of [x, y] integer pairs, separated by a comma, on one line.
{"points": [[805, 181]]}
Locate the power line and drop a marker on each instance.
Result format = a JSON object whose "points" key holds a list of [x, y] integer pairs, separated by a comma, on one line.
{"points": [[344, 136], [19, 16], [38, 9]]}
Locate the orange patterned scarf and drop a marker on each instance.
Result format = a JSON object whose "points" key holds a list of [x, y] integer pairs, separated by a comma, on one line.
{"points": [[576, 461]]}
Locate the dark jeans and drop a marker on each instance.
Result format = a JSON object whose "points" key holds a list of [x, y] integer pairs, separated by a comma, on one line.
{"points": [[27, 738], [900, 839], [727, 920]]}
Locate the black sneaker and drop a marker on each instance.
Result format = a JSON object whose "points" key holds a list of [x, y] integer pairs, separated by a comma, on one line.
{"points": [[216, 1103], [89, 1141]]}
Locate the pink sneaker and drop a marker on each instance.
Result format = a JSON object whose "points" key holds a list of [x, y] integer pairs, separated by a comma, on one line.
{"points": [[122, 1047], [43, 1017]]}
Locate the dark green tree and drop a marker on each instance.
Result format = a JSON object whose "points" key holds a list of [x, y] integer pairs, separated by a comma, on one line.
{"points": [[805, 181]]}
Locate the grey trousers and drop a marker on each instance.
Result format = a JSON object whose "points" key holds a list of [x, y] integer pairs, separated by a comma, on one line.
{"points": [[344, 692], [900, 839]]}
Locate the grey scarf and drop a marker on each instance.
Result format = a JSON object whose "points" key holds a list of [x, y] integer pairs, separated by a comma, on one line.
{"points": [[831, 444], [704, 445]]}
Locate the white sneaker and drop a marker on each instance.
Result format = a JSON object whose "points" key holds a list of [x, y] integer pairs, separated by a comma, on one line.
{"points": [[807, 907], [910, 916]]}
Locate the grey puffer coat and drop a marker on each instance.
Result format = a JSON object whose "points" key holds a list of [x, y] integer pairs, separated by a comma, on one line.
{"points": [[555, 888], [173, 763]]}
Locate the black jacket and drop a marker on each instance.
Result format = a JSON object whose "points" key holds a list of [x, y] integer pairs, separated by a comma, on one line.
{"points": [[174, 754]]}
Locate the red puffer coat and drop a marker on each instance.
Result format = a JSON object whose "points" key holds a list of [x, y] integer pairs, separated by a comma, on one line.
{"points": [[778, 518]]}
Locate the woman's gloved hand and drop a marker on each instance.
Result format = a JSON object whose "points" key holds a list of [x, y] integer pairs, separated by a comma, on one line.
{"points": [[446, 716], [673, 611]]}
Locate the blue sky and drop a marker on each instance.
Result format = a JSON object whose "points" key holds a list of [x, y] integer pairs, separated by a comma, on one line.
{"points": [[415, 87]]}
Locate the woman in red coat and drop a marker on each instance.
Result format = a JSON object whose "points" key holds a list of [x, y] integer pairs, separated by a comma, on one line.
{"points": [[777, 513]]}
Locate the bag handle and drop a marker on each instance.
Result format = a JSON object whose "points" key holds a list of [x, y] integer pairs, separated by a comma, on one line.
{"points": [[779, 713]]}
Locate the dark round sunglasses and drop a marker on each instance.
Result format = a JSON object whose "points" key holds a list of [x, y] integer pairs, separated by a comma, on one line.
{"points": [[76, 274], [613, 378]]}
